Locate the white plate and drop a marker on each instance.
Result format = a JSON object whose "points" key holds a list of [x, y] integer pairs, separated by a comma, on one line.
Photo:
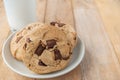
{"points": [[21, 69]]}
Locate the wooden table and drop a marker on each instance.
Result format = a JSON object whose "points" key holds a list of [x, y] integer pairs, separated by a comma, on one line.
{"points": [[97, 22]]}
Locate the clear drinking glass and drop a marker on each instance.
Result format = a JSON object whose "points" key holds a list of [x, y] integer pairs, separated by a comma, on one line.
{"points": [[20, 13]]}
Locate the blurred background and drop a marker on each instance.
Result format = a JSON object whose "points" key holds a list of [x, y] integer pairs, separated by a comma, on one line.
{"points": [[97, 23]]}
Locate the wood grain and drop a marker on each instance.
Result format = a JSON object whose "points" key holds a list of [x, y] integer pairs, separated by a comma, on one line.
{"points": [[110, 13], [97, 24], [100, 62], [59, 10], [41, 10]]}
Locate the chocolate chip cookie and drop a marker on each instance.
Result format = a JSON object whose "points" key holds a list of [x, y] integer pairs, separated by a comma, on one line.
{"points": [[69, 31], [49, 48], [18, 41]]}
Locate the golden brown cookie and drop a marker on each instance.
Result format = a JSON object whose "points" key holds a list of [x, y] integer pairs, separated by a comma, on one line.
{"points": [[69, 31], [49, 49], [18, 41]]}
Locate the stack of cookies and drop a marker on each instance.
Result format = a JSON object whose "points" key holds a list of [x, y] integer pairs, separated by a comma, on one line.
{"points": [[44, 48]]}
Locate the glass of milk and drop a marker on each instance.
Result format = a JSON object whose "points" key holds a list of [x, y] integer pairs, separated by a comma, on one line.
{"points": [[20, 13]]}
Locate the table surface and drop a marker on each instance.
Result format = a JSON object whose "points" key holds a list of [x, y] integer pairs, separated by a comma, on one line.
{"points": [[97, 22]]}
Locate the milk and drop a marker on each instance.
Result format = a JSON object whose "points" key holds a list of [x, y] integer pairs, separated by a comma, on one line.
{"points": [[20, 13]]}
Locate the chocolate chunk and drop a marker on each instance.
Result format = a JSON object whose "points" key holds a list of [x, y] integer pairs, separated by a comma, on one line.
{"points": [[74, 38], [18, 39], [25, 46], [53, 23], [57, 54], [51, 43], [29, 28], [39, 50], [70, 53], [29, 65], [28, 40], [65, 58], [61, 24], [41, 63], [68, 43]]}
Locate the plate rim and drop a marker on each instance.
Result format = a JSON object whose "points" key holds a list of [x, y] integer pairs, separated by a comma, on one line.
{"points": [[43, 76]]}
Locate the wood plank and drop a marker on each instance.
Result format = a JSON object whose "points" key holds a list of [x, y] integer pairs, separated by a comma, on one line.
{"points": [[110, 13], [59, 10], [100, 62], [41, 8]]}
